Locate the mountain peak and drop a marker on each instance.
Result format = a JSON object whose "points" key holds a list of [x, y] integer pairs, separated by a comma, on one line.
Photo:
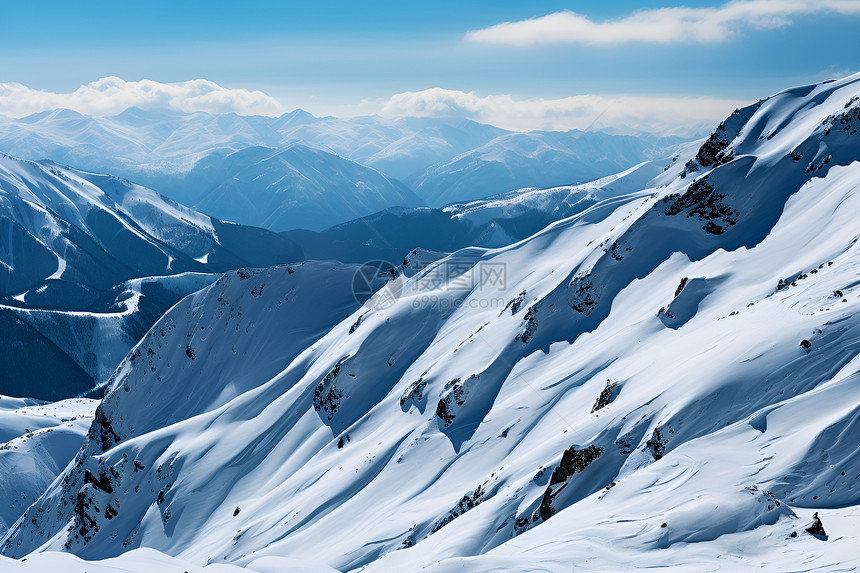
{"points": [[296, 117]]}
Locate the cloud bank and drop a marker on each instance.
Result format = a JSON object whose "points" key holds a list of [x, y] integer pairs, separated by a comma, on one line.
{"points": [[664, 115], [112, 95], [659, 26], [624, 113]]}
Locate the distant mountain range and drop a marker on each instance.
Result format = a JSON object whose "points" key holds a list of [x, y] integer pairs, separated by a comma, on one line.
{"points": [[285, 188], [496, 221], [73, 272], [535, 159], [301, 171]]}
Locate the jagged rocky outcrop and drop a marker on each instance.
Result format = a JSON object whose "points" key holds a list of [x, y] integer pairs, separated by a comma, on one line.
{"points": [[456, 392], [607, 395], [573, 461], [700, 200], [327, 394], [817, 528], [656, 444]]}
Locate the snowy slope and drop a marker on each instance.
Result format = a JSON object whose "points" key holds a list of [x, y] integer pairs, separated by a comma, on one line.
{"points": [[37, 441], [536, 159], [669, 377], [54, 354], [508, 217], [71, 235], [149, 560]]}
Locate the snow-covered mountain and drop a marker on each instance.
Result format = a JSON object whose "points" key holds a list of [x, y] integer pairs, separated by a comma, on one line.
{"points": [[396, 146], [668, 378], [286, 188], [279, 173], [303, 171], [496, 221], [71, 235], [71, 241], [52, 354], [37, 442], [139, 143], [535, 159]]}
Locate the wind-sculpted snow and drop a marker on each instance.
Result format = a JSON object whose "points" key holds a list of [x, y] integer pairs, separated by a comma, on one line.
{"points": [[668, 378]]}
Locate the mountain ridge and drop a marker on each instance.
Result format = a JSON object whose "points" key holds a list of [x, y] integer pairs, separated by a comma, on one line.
{"points": [[534, 159], [683, 350], [72, 239], [168, 150]]}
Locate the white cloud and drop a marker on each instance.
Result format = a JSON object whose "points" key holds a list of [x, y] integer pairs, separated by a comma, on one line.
{"points": [[112, 95], [661, 115], [659, 26], [109, 96]]}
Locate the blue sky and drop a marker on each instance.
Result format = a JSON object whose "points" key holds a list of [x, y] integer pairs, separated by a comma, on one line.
{"points": [[351, 57]]}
